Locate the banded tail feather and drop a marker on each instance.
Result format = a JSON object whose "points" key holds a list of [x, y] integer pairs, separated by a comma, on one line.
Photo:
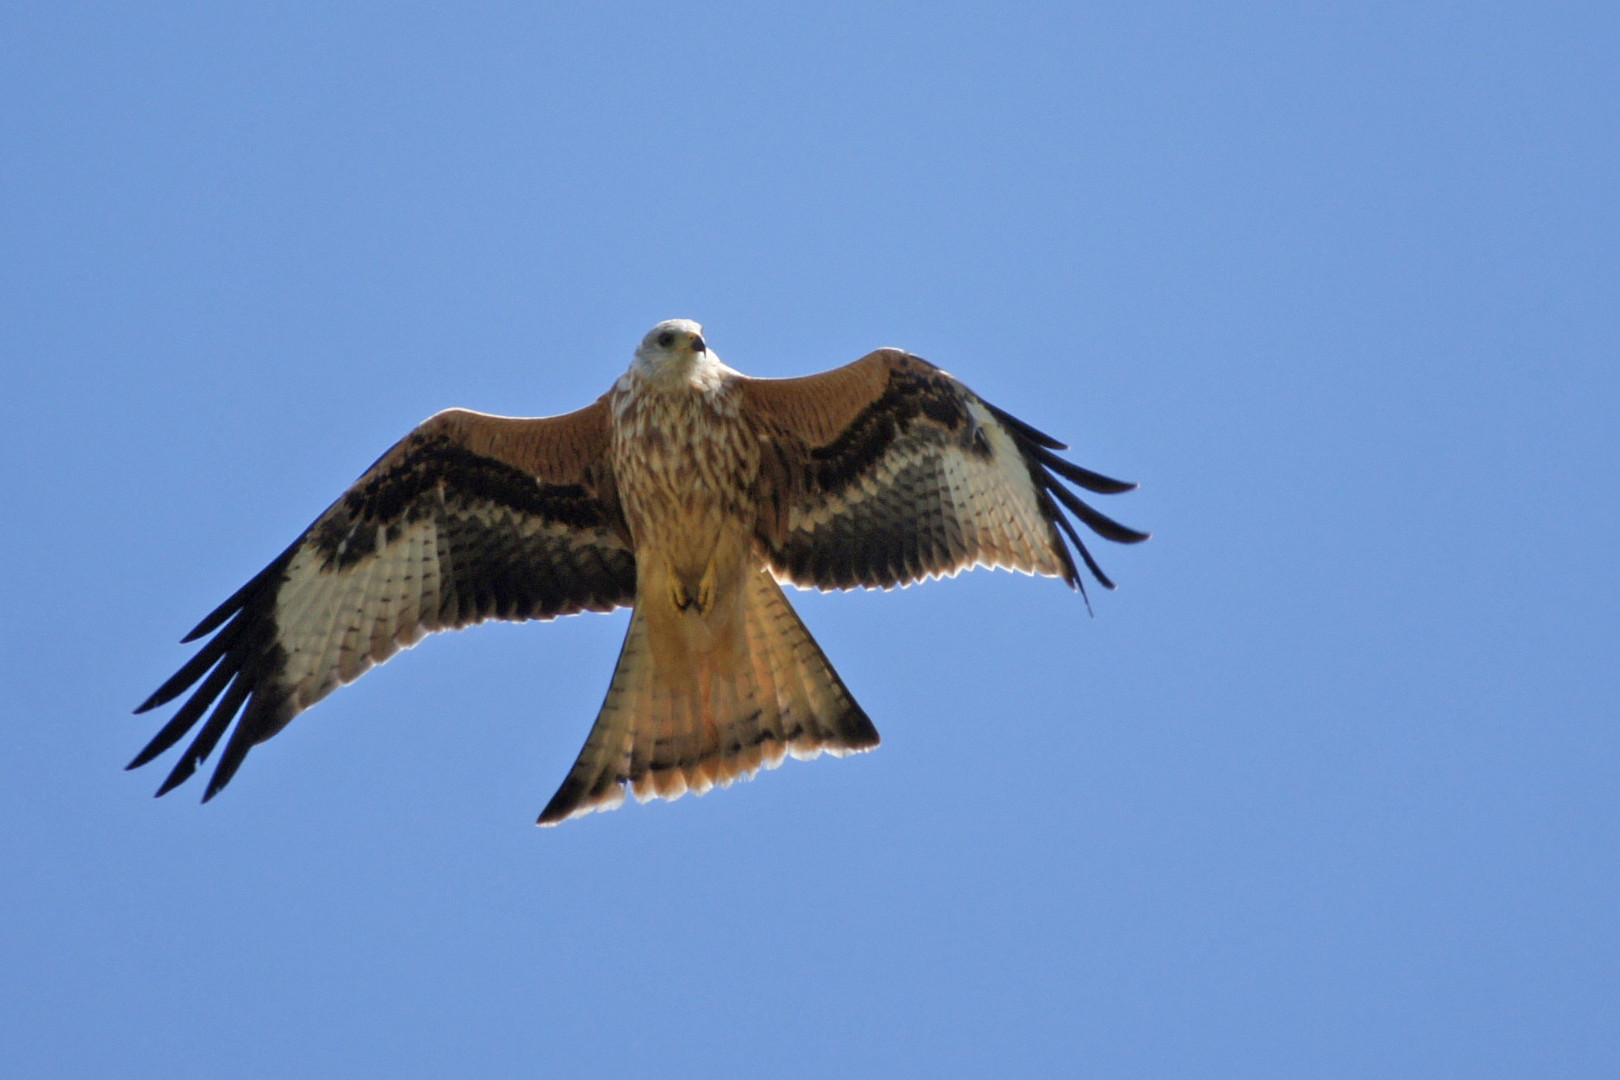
{"points": [[692, 707]]}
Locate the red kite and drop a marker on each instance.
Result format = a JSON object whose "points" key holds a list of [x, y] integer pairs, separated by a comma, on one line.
{"points": [[688, 491]]}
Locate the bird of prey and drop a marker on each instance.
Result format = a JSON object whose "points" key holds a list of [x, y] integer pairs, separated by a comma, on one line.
{"points": [[688, 491]]}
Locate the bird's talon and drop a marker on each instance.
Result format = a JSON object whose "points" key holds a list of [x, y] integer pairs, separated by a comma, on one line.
{"points": [[706, 589]]}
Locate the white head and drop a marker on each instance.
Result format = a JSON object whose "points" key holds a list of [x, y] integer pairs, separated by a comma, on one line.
{"points": [[672, 349]]}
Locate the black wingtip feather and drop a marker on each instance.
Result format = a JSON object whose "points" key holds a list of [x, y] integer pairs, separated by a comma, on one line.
{"points": [[182, 771], [1049, 510], [208, 737], [235, 751], [1091, 481], [1085, 554], [1075, 580], [257, 724], [194, 669], [216, 618], [1033, 434], [183, 720], [1103, 526], [1039, 458], [241, 597]]}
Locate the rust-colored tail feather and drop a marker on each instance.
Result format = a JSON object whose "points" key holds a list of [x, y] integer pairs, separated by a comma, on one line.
{"points": [[681, 718]]}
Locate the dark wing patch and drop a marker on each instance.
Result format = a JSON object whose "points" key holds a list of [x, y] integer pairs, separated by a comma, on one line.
{"points": [[920, 403], [926, 480], [435, 536]]}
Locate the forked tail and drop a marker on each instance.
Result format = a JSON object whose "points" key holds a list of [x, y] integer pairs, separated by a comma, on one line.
{"points": [[703, 700]]}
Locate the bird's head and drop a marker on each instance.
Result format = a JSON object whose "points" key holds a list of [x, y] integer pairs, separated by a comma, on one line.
{"points": [[672, 349]]}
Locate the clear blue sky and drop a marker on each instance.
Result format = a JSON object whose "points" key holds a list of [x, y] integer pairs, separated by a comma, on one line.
{"points": [[1330, 787]]}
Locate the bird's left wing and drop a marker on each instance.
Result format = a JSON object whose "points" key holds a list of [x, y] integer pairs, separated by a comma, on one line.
{"points": [[888, 471], [470, 517]]}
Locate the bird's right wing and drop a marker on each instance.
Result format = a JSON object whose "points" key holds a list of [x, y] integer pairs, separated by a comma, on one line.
{"points": [[888, 471], [470, 517]]}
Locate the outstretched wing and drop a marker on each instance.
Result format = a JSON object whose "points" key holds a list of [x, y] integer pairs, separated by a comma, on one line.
{"points": [[470, 517], [889, 471]]}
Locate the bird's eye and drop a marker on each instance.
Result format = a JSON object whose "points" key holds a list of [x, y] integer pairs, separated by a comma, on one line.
{"points": [[666, 339]]}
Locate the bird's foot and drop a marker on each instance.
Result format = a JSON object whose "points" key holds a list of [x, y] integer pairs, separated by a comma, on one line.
{"points": [[702, 599], [708, 584]]}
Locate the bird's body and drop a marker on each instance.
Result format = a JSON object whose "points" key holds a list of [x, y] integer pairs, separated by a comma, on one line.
{"points": [[711, 669], [687, 491], [687, 464]]}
